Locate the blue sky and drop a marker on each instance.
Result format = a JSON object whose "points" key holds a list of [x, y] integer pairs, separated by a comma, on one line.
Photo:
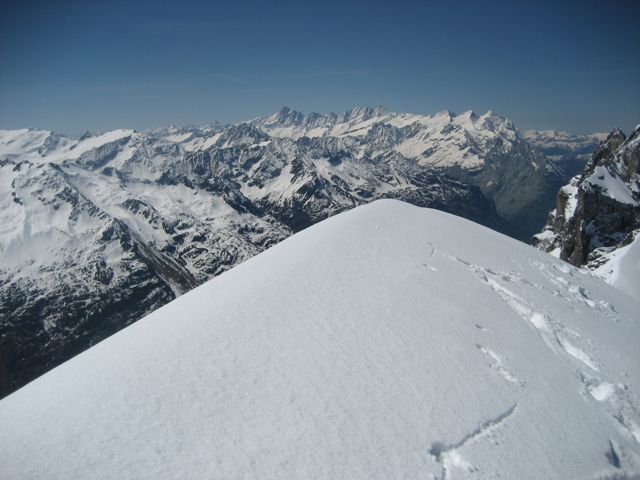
{"points": [[73, 66]]}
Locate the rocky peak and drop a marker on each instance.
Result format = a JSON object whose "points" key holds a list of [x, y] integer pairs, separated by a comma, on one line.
{"points": [[361, 114], [630, 154], [598, 213], [241, 134], [286, 116], [605, 151]]}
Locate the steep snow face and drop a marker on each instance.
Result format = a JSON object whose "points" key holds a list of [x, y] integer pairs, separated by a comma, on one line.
{"points": [[597, 217], [348, 351]]}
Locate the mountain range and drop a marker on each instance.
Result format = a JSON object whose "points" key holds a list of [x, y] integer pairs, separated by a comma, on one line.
{"points": [[100, 230]]}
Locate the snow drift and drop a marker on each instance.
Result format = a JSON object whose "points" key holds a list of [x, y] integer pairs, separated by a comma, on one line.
{"points": [[386, 342]]}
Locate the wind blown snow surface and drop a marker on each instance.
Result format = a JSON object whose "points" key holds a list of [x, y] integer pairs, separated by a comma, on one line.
{"points": [[386, 342]]}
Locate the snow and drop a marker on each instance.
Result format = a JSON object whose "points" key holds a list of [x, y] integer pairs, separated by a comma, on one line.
{"points": [[17, 142], [386, 342], [179, 137], [202, 143], [76, 149], [571, 191], [444, 135], [33, 232], [42, 146], [602, 392], [622, 266], [613, 186], [173, 201]]}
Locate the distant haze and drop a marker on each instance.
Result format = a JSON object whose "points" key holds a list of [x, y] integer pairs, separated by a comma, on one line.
{"points": [[79, 66]]}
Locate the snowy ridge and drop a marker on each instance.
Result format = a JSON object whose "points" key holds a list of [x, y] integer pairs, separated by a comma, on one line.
{"points": [[354, 356]]}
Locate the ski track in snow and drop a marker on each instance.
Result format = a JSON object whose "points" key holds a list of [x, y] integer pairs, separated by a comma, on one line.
{"points": [[616, 398], [449, 455]]}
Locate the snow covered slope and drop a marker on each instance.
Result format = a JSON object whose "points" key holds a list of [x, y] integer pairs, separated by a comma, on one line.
{"points": [[386, 342]]}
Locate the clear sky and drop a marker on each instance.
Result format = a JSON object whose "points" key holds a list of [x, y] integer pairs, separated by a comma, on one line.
{"points": [[73, 66]]}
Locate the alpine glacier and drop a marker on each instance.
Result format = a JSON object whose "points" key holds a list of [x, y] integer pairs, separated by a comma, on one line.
{"points": [[389, 341]]}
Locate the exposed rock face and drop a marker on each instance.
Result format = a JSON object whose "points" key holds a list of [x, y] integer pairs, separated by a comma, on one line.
{"points": [[598, 212], [96, 232]]}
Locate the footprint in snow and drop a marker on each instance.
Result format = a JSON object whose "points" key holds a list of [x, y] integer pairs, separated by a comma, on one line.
{"points": [[449, 454], [496, 364]]}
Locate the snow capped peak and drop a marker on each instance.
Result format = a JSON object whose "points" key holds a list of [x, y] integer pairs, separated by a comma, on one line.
{"points": [[448, 114], [87, 134], [25, 140], [491, 121], [615, 138], [286, 116], [361, 114], [471, 115]]}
